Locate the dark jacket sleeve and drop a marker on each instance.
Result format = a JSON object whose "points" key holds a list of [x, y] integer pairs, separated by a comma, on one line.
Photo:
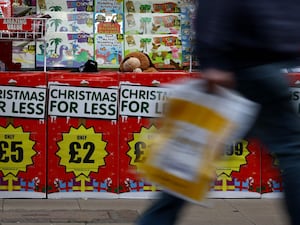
{"points": [[235, 34], [214, 27]]}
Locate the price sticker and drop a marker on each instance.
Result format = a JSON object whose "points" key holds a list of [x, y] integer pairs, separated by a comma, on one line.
{"points": [[234, 157], [82, 151], [16, 150], [140, 145]]}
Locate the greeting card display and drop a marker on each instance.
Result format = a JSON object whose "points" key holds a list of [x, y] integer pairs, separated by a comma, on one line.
{"points": [[71, 22], [109, 6], [111, 23], [66, 5], [154, 27], [165, 51], [66, 50], [152, 23], [187, 33], [108, 50], [156, 6]]}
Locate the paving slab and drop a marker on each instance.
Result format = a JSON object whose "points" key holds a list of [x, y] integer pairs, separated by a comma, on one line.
{"points": [[96, 204], [40, 204], [33, 223], [126, 211]]}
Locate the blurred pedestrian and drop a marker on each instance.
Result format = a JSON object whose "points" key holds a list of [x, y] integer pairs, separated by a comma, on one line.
{"points": [[245, 45]]}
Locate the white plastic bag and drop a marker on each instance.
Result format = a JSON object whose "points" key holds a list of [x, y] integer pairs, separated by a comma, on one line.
{"points": [[197, 125]]}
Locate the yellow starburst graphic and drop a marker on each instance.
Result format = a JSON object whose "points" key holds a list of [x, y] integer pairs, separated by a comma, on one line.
{"points": [[234, 158], [82, 151], [16, 150], [140, 144]]}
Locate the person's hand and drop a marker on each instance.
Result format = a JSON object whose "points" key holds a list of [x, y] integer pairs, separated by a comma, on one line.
{"points": [[218, 77]]}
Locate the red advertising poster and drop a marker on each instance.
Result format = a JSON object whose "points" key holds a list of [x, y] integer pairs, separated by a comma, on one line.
{"points": [[141, 104], [82, 135], [271, 182], [22, 135]]}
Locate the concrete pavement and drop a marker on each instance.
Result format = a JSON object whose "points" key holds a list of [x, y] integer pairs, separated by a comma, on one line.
{"points": [[125, 211]]}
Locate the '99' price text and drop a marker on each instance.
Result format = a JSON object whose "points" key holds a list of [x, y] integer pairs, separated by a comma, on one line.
{"points": [[234, 149]]}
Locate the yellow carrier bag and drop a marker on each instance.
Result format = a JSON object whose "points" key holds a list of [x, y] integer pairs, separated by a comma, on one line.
{"points": [[182, 155]]}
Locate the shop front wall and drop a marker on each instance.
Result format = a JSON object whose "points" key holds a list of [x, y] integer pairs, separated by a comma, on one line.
{"points": [[78, 135]]}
